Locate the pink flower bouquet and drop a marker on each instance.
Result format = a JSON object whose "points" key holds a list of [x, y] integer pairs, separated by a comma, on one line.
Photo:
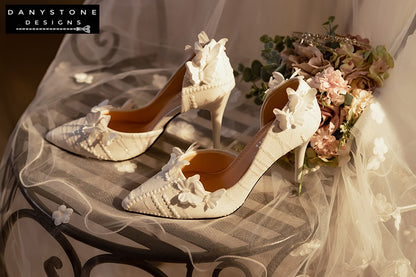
{"points": [[345, 70]]}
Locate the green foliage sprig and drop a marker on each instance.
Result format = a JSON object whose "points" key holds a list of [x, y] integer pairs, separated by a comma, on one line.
{"points": [[258, 74]]}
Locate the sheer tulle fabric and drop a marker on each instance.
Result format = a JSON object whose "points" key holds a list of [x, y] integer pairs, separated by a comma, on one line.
{"points": [[358, 219]]}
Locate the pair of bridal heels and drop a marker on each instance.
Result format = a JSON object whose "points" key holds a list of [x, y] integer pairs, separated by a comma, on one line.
{"points": [[211, 183], [204, 81], [198, 183]]}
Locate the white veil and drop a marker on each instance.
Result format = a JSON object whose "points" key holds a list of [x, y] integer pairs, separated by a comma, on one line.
{"points": [[358, 219]]}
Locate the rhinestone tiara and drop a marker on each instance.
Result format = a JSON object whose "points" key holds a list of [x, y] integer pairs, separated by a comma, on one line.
{"points": [[320, 40]]}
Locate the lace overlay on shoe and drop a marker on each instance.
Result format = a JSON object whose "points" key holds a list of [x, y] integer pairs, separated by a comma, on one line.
{"points": [[91, 137]]}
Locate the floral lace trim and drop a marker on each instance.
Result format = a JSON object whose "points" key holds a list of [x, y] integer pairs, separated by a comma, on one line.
{"points": [[191, 190]]}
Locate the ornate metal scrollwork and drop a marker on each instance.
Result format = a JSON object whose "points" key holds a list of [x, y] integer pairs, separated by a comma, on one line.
{"points": [[231, 263], [111, 258], [101, 42], [50, 266], [52, 263]]}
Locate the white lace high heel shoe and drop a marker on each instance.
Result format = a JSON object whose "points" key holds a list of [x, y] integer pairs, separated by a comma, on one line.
{"points": [[205, 81], [210, 183]]}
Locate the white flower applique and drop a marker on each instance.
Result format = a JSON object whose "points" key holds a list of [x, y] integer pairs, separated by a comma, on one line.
{"points": [[306, 248], [204, 67], [292, 113], [379, 151], [171, 170], [97, 122], [83, 78], [275, 80], [126, 166], [192, 193], [377, 113], [62, 215], [191, 190]]}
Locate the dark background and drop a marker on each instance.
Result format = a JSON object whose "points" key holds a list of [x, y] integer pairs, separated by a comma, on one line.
{"points": [[24, 59]]}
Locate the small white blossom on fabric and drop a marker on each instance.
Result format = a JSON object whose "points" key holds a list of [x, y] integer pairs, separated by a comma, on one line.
{"points": [[380, 147], [159, 81], [379, 151], [83, 78], [377, 113], [306, 248], [62, 215], [182, 129], [126, 166], [383, 208]]}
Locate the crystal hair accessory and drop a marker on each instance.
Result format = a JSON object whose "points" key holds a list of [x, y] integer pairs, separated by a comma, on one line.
{"points": [[322, 40]]}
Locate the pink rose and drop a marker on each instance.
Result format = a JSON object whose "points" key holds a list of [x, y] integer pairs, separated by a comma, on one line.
{"points": [[324, 144], [331, 82]]}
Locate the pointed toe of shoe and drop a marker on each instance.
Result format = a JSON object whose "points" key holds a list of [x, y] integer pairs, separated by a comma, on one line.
{"points": [[68, 137], [60, 138]]}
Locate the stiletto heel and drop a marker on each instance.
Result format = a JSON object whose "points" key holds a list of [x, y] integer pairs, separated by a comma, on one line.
{"points": [[211, 183], [203, 82], [299, 160], [216, 110]]}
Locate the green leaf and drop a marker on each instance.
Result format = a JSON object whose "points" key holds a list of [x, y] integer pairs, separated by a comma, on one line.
{"points": [[258, 101], [348, 99], [240, 67], [265, 76], [256, 68], [289, 42], [333, 29], [331, 18], [268, 45], [247, 74], [265, 38], [267, 71]]}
